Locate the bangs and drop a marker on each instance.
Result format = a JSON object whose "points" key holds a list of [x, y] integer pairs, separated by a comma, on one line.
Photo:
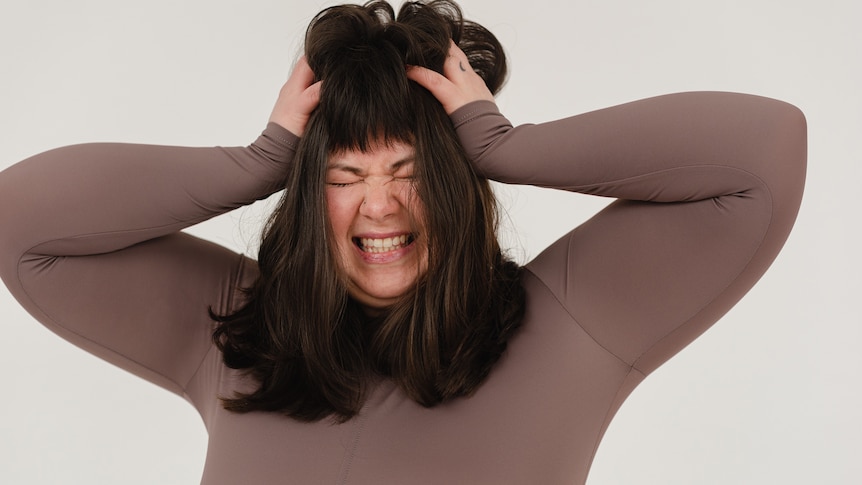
{"points": [[361, 55], [366, 101]]}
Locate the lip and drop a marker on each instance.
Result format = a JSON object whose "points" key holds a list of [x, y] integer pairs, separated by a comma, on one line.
{"points": [[387, 257]]}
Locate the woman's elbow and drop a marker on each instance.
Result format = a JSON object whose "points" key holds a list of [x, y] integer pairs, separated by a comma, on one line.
{"points": [[786, 151]]}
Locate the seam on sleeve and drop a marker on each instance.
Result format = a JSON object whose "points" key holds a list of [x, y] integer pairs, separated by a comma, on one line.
{"points": [[582, 188], [235, 279], [178, 388], [465, 117], [34, 249], [770, 200], [469, 111]]}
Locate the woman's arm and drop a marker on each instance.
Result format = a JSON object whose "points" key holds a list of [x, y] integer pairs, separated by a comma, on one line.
{"points": [[708, 184], [91, 244], [709, 187]]}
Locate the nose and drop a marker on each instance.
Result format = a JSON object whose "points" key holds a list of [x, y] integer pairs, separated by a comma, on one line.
{"points": [[380, 198]]}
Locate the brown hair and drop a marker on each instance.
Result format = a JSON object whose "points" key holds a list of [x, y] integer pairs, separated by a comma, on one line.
{"points": [[300, 335]]}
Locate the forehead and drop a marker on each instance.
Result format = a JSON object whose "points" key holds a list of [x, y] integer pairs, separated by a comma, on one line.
{"points": [[378, 157]]}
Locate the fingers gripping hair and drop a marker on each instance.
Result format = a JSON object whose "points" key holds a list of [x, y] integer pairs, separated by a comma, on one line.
{"points": [[361, 54]]}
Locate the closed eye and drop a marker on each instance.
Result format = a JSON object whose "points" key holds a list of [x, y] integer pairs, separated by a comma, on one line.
{"points": [[407, 178]]}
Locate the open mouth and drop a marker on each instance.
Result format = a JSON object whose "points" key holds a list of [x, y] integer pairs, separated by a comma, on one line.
{"points": [[383, 245]]}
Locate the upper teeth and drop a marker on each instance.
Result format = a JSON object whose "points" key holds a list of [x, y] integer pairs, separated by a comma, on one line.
{"points": [[372, 245]]}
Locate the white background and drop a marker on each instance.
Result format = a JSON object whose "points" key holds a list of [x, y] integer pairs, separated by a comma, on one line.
{"points": [[769, 395]]}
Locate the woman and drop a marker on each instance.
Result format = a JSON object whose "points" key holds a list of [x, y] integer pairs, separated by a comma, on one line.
{"points": [[383, 337]]}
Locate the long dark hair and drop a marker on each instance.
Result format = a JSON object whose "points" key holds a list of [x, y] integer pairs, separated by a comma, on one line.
{"points": [[299, 334]]}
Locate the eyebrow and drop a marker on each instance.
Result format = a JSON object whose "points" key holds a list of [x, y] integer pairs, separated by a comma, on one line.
{"points": [[393, 167]]}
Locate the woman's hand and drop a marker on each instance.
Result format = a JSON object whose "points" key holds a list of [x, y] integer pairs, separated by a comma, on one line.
{"points": [[458, 85], [296, 99]]}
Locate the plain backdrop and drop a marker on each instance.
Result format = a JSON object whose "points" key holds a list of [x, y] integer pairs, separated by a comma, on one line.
{"points": [[770, 395]]}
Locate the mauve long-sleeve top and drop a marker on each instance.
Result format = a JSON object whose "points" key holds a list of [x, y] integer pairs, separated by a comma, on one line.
{"points": [[708, 187]]}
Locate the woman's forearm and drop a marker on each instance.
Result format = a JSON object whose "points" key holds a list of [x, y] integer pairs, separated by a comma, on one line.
{"points": [[95, 198], [604, 152]]}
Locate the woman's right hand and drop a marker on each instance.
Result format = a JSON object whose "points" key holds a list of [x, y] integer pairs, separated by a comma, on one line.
{"points": [[296, 99]]}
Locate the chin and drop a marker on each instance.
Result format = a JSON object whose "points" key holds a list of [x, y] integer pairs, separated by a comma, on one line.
{"points": [[377, 300]]}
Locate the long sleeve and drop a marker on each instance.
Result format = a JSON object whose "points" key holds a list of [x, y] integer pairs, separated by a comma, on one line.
{"points": [[91, 247], [708, 187]]}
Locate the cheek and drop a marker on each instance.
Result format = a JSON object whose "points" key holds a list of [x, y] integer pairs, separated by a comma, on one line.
{"points": [[338, 208], [411, 200], [340, 222]]}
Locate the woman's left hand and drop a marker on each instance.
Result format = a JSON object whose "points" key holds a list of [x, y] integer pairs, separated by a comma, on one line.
{"points": [[457, 86]]}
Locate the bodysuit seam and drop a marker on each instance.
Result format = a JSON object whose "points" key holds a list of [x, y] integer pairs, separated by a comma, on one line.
{"points": [[31, 252], [607, 418], [57, 323], [575, 319], [347, 461], [234, 287], [769, 198]]}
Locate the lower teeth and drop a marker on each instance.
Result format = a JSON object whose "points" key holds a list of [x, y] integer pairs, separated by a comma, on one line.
{"points": [[381, 250]]}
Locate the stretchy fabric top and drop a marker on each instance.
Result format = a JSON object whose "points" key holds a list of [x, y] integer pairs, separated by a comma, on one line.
{"points": [[708, 186]]}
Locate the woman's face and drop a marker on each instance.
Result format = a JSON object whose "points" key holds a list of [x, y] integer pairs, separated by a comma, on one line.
{"points": [[377, 222]]}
